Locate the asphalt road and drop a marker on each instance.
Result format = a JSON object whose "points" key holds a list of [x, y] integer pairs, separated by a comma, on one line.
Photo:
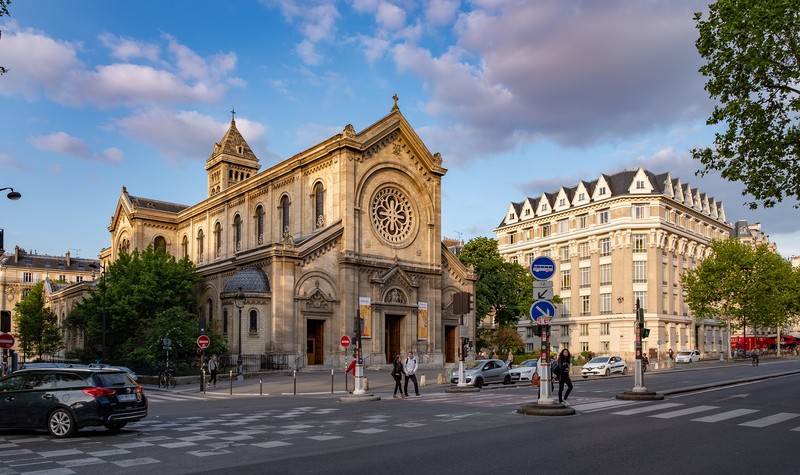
{"points": [[751, 425]]}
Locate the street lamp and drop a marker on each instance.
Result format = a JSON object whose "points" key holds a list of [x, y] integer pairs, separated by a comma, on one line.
{"points": [[12, 195], [103, 309], [240, 304]]}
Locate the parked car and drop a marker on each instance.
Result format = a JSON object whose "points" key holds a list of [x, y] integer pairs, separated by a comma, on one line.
{"points": [[482, 372], [523, 371], [64, 400], [123, 368], [604, 365], [687, 356]]}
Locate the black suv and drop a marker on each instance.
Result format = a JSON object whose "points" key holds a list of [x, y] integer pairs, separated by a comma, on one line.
{"points": [[63, 400]]}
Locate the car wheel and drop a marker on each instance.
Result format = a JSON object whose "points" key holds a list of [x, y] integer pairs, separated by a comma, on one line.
{"points": [[507, 380], [61, 424], [625, 370], [479, 383], [608, 371], [585, 376], [115, 425]]}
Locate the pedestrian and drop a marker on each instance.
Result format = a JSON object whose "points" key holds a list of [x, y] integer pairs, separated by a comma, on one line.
{"points": [[481, 355], [510, 359], [410, 371], [754, 355], [213, 367], [397, 374], [563, 362], [494, 355], [670, 353]]}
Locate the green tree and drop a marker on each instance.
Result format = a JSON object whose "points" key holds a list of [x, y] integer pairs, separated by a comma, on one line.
{"points": [[752, 51], [502, 339], [146, 296], [4, 12], [745, 286], [503, 289], [37, 326]]}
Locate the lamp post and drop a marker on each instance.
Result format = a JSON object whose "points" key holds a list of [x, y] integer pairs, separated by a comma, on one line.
{"points": [[239, 304], [12, 195], [102, 267]]}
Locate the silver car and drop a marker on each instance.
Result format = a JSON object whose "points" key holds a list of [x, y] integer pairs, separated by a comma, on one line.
{"points": [[482, 372]]}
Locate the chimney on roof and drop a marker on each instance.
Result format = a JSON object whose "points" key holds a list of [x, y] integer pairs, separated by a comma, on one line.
{"points": [[68, 259], [16, 253]]}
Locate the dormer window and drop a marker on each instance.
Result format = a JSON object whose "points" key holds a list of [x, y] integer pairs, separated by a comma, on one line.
{"points": [[544, 207], [640, 184], [581, 196], [602, 190], [562, 202]]}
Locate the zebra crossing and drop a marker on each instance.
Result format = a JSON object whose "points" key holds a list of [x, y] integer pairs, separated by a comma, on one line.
{"points": [[743, 417]]}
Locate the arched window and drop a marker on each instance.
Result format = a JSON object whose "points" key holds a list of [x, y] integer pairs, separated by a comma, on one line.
{"points": [[260, 224], [237, 232], [201, 240], [224, 322], [253, 321], [210, 311], [319, 206], [185, 246], [160, 244], [218, 239], [284, 215]]}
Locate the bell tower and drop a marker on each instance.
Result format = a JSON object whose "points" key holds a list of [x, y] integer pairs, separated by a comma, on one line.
{"points": [[231, 162]]}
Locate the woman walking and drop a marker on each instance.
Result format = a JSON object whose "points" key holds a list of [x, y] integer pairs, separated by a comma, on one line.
{"points": [[397, 374], [564, 360]]}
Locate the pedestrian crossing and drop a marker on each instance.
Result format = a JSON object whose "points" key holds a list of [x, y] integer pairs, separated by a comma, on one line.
{"points": [[671, 410]]}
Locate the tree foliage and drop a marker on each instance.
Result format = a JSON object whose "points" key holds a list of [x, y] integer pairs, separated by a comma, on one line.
{"points": [[503, 289], [146, 296], [37, 326], [752, 51], [744, 286], [4, 12], [502, 340]]}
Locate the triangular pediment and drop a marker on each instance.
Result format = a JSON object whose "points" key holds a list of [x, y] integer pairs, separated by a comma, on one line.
{"points": [[393, 276]]}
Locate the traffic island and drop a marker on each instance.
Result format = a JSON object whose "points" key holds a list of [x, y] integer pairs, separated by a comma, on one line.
{"points": [[359, 398], [536, 409], [640, 396], [462, 389]]}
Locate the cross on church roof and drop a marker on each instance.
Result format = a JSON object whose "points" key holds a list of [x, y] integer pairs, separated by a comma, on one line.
{"points": [[233, 114]]}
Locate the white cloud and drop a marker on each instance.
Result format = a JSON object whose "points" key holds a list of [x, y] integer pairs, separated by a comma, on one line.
{"points": [[61, 142], [441, 12], [127, 49], [390, 16]]}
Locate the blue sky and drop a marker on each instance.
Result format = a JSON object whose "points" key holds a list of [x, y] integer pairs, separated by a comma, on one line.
{"points": [[519, 97]]}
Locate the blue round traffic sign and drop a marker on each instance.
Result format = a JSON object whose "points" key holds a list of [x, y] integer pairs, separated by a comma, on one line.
{"points": [[542, 311], [543, 268]]}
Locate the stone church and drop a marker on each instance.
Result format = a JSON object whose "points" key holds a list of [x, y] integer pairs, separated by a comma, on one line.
{"points": [[289, 253]]}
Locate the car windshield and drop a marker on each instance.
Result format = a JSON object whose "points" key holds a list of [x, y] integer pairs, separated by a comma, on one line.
{"points": [[474, 364], [599, 359], [529, 363], [684, 353]]}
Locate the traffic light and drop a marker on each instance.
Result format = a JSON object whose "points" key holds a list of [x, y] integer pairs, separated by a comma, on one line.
{"points": [[537, 330], [645, 332], [5, 321], [463, 347]]}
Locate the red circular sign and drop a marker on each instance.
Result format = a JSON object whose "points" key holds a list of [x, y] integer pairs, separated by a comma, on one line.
{"points": [[345, 341], [203, 341], [6, 340]]}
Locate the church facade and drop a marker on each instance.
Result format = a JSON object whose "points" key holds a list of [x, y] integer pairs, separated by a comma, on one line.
{"points": [[289, 254]]}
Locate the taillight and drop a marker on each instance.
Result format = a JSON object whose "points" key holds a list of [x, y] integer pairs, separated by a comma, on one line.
{"points": [[100, 392]]}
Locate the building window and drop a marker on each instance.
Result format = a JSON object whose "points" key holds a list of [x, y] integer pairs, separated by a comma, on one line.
{"points": [[583, 250], [605, 328], [63, 278], [515, 259], [319, 206], [27, 277], [641, 296], [581, 196], [218, 239], [546, 252], [563, 226], [605, 274], [545, 230], [566, 306], [512, 238], [200, 245], [237, 232], [563, 253], [583, 221], [605, 247], [185, 246], [640, 211], [603, 216], [78, 278], [640, 272], [210, 313], [640, 184], [604, 347], [527, 212], [584, 346], [586, 277], [566, 279], [564, 330], [259, 224], [253, 321], [160, 244], [639, 243], [562, 202], [543, 207], [284, 215], [585, 308], [602, 191], [605, 304], [224, 322], [583, 329]]}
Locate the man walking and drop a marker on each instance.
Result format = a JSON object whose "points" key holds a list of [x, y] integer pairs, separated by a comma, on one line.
{"points": [[213, 366], [409, 370]]}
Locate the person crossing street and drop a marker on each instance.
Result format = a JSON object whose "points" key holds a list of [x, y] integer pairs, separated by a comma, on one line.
{"points": [[410, 367]]}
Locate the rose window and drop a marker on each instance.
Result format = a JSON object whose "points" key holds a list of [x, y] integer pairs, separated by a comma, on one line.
{"points": [[392, 215]]}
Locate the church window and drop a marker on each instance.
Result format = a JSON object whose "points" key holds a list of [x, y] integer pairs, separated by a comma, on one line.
{"points": [[260, 224], [200, 245], [218, 239], [185, 246], [160, 244], [284, 215], [253, 321], [319, 206], [237, 232]]}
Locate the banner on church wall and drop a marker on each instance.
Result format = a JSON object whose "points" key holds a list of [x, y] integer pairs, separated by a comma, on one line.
{"points": [[365, 309], [422, 320]]}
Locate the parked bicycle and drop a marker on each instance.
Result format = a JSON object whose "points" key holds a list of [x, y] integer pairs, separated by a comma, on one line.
{"points": [[166, 379]]}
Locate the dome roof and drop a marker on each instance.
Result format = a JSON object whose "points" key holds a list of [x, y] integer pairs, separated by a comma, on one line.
{"points": [[250, 279]]}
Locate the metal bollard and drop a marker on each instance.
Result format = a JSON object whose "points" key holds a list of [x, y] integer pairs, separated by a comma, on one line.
{"points": [[422, 380], [294, 375], [231, 378], [331, 380], [203, 380], [261, 386]]}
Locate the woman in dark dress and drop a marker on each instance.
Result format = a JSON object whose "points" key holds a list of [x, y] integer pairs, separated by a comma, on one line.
{"points": [[397, 374], [564, 358]]}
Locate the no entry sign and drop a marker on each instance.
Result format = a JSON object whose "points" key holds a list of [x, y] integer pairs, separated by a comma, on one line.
{"points": [[7, 341], [203, 341], [345, 341]]}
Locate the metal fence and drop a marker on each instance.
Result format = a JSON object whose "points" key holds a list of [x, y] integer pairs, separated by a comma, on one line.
{"points": [[254, 363]]}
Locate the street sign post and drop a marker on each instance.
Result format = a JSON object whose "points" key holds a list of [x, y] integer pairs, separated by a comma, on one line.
{"points": [[542, 311], [345, 341], [543, 268], [6, 340], [203, 341]]}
